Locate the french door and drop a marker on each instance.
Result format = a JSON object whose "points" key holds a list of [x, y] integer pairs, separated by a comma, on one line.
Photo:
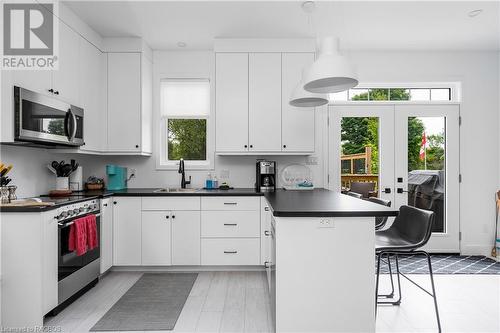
{"points": [[409, 152]]}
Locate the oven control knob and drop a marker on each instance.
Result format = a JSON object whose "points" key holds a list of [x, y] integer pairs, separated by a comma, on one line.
{"points": [[76, 211], [63, 215], [81, 210]]}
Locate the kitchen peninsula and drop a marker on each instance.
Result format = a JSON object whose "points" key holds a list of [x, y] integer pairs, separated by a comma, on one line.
{"points": [[323, 255]]}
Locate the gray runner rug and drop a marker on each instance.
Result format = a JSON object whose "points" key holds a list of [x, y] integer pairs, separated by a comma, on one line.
{"points": [[153, 303]]}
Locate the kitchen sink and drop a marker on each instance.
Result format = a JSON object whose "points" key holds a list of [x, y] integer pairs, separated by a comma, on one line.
{"points": [[175, 190]]}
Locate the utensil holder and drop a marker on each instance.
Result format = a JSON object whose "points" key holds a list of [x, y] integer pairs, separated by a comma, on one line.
{"points": [[4, 194], [62, 183]]}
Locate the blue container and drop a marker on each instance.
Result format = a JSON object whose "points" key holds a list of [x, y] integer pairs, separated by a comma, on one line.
{"points": [[117, 177]]}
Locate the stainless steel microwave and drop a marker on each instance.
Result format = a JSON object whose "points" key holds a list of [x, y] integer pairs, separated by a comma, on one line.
{"points": [[42, 119]]}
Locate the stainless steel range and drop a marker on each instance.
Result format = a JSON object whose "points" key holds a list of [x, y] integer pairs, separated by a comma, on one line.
{"points": [[76, 274]]}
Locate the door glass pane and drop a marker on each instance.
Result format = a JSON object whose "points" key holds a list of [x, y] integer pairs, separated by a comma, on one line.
{"points": [[359, 162], [426, 166], [43, 119]]}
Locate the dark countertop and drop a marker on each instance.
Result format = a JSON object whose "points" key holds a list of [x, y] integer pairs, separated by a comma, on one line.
{"points": [[323, 203], [315, 203], [131, 192]]}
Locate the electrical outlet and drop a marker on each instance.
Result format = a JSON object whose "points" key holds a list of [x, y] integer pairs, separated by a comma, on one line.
{"points": [[326, 223], [312, 160]]}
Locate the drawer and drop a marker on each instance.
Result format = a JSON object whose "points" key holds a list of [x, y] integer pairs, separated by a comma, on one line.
{"points": [[171, 203], [230, 224], [230, 251], [230, 203]]}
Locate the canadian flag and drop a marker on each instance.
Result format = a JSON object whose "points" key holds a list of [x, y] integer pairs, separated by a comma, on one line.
{"points": [[423, 146]]}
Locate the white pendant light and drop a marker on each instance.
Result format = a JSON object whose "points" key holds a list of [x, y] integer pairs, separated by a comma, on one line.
{"points": [[302, 98], [331, 72]]}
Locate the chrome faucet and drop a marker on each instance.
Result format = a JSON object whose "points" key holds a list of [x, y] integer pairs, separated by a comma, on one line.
{"points": [[184, 182]]}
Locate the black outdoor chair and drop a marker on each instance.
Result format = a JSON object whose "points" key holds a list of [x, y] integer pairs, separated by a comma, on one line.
{"points": [[410, 231], [366, 189], [380, 222], [355, 195]]}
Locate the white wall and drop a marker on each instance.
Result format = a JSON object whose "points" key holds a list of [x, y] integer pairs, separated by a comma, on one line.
{"points": [[479, 141]]}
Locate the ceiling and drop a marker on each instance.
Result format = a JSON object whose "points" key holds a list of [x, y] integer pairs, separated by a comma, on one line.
{"points": [[361, 25]]}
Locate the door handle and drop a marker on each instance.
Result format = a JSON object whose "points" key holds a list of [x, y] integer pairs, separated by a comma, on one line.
{"points": [[267, 233], [387, 190], [230, 252], [231, 224], [400, 190], [267, 264]]}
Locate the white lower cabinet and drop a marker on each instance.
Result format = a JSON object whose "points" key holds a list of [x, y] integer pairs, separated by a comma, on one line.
{"points": [[127, 231], [156, 234], [186, 238], [164, 231], [230, 224], [265, 232], [230, 251], [106, 234], [50, 264]]}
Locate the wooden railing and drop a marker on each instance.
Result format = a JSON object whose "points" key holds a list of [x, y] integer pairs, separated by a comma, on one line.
{"points": [[367, 156], [352, 176]]}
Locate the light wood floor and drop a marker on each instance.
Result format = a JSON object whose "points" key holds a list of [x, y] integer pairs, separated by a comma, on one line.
{"points": [[238, 302]]}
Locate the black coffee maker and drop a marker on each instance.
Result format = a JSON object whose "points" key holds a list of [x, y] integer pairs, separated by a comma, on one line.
{"points": [[266, 176]]}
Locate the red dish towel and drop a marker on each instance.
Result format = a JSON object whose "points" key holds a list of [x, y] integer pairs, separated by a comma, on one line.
{"points": [[91, 224], [78, 236]]}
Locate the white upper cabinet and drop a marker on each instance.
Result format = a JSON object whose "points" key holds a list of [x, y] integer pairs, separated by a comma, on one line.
{"points": [[93, 96], [126, 107], [65, 80], [264, 102], [297, 124], [231, 102], [252, 111]]}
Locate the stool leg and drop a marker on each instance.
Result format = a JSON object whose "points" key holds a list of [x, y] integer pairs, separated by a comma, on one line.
{"points": [[376, 283], [433, 290], [391, 295], [398, 302]]}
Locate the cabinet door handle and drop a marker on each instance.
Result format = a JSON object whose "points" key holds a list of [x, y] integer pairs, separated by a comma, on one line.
{"points": [[230, 252], [136, 146], [246, 146], [167, 217], [105, 205], [284, 146], [230, 203], [173, 216], [266, 209], [51, 90], [56, 92], [267, 233], [231, 224], [114, 202], [251, 146]]}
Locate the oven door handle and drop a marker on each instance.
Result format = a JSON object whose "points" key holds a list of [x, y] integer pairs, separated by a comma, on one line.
{"points": [[71, 222]]}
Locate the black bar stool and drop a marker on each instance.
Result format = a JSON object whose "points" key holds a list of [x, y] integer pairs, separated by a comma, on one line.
{"points": [[381, 221], [410, 231]]}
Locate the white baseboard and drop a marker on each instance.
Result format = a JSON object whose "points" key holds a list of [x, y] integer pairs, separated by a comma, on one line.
{"points": [[187, 268], [477, 250]]}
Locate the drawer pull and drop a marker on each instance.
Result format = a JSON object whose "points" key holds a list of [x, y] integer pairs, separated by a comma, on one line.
{"points": [[231, 224], [266, 209], [230, 203], [267, 233], [230, 252]]}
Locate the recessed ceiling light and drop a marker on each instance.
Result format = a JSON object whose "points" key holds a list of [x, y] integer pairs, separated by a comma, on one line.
{"points": [[308, 6], [475, 12], [181, 44]]}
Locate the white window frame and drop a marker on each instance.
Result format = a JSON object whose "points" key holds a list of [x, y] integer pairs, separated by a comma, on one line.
{"points": [[162, 161], [456, 92]]}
